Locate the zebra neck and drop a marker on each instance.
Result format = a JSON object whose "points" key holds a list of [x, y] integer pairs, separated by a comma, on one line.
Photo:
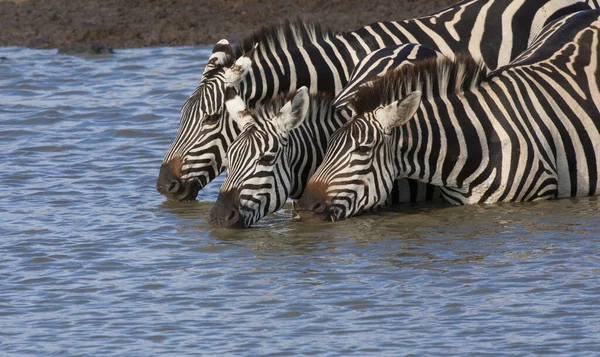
{"points": [[476, 145], [443, 145], [307, 144], [324, 66]]}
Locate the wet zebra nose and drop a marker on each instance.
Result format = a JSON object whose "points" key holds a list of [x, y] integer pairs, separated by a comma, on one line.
{"points": [[224, 216], [168, 182], [170, 185], [319, 207], [313, 200], [173, 186], [224, 213], [313, 205]]}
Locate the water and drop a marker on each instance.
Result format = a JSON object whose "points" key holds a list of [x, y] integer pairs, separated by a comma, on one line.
{"points": [[94, 262]]}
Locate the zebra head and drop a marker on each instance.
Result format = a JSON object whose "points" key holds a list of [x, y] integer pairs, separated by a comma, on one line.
{"points": [[259, 177], [359, 167], [205, 131]]}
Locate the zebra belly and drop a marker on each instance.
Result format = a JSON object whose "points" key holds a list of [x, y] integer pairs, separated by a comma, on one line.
{"points": [[538, 181], [407, 191]]}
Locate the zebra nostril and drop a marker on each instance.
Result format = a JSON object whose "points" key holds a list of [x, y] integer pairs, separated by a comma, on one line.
{"points": [[174, 186], [233, 216], [319, 207]]}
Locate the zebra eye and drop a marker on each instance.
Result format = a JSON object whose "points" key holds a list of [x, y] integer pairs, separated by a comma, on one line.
{"points": [[363, 150], [266, 160], [212, 119]]}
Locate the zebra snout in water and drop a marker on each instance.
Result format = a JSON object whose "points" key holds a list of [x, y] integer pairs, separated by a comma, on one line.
{"points": [[313, 203], [225, 213], [170, 185]]}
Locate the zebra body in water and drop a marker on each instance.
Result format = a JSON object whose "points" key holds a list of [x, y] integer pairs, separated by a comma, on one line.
{"points": [[298, 54], [529, 131], [283, 141]]}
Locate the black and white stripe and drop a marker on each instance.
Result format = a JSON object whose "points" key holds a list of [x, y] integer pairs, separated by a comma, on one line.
{"points": [[528, 131], [255, 186], [378, 63], [299, 54], [272, 158]]}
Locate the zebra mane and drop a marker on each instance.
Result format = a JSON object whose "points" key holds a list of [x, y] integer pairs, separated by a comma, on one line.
{"points": [[290, 34], [435, 77], [268, 109]]}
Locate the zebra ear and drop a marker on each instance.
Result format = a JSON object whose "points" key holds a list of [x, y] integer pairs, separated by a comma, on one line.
{"points": [[399, 112], [293, 112], [237, 108], [240, 68], [222, 56]]}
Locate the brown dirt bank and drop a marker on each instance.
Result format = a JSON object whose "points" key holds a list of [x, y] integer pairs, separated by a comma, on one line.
{"points": [[141, 23]]}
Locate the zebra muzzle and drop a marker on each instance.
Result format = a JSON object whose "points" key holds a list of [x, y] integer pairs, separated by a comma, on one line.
{"points": [[317, 209], [225, 213], [170, 184], [314, 198]]}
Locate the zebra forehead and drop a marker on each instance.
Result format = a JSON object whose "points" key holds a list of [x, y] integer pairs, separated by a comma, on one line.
{"points": [[254, 136], [211, 74], [247, 135], [356, 130], [209, 95], [240, 151]]}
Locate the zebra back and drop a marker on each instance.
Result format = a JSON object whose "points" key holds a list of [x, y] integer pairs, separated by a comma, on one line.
{"points": [[531, 131], [379, 62], [294, 55]]}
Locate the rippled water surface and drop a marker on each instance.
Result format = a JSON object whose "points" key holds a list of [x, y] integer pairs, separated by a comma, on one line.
{"points": [[94, 262]]}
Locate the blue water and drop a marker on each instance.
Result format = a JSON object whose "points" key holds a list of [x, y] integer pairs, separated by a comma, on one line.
{"points": [[94, 262]]}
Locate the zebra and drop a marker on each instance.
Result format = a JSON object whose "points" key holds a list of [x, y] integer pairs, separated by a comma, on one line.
{"points": [[526, 132], [260, 160], [594, 4], [283, 141], [376, 64], [297, 54]]}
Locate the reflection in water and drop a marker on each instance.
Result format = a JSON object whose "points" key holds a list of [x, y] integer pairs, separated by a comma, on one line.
{"points": [[93, 261], [415, 227]]}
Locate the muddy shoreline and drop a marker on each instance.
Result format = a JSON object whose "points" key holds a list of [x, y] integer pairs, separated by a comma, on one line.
{"points": [[141, 23]]}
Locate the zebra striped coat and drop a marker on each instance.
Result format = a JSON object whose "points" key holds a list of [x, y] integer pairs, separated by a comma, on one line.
{"points": [[279, 148], [300, 54], [378, 63], [529, 131], [272, 159]]}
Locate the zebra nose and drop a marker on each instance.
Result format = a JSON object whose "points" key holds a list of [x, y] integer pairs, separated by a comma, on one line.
{"points": [[232, 217], [170, 184], [225, 212], [173, 187], [224, 216], [313, 201], [319, 207]]}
